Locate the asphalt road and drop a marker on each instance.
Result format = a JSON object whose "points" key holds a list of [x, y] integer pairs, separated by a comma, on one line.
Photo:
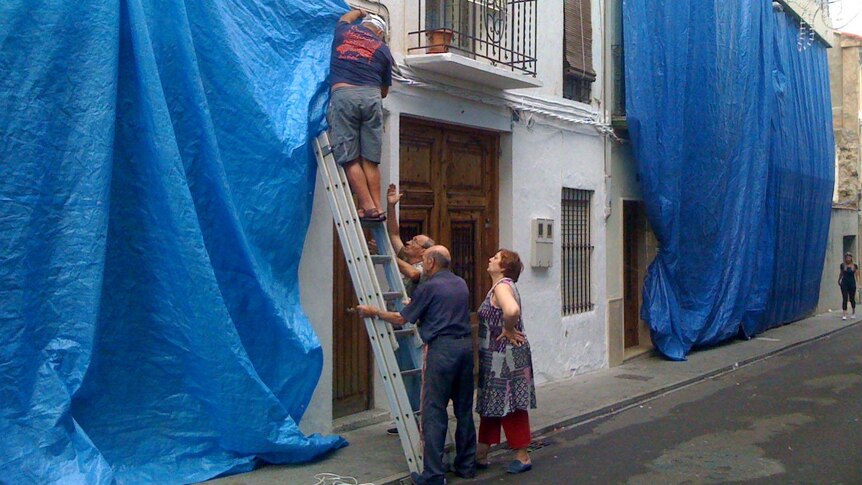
{"points": [[792, 418]]}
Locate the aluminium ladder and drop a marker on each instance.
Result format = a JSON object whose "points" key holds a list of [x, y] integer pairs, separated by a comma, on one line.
{"points": [[398, 353]]}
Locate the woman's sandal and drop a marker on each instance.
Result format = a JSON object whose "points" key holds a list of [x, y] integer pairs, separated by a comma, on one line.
{"points": [[517, 466], [372, 215]]}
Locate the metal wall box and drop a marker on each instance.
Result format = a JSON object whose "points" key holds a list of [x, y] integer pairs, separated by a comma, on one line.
{"points": [[542, 243]]}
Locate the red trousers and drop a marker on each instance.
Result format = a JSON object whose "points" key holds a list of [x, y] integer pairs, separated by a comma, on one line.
{"points": [[516, 425]]}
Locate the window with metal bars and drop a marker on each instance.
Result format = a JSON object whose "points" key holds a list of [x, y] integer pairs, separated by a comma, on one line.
{"points": [[577, 251]]}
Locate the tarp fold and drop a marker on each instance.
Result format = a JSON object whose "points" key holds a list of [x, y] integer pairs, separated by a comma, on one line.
{"points": [[155, 189], [729, 114]]}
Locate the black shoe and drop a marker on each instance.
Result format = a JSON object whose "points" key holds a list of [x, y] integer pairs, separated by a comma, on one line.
{"points": [[466, 476], [418, 480], [393, 431]]}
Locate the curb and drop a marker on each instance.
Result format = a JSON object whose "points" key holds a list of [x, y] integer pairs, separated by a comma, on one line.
{"points": [[625, 404], [619, 406]]}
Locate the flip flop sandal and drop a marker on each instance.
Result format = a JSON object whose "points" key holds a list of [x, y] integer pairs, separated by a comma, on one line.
{"points": [[373, 215]]}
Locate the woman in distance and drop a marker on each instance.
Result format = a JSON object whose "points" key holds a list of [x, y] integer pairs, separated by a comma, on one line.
{"points": [[847, 282]]}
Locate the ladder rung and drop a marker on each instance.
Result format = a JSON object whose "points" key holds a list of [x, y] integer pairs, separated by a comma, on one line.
{"points": [[404, 332], [391, 295], [370, 224], [411, 372], [381, 259]]}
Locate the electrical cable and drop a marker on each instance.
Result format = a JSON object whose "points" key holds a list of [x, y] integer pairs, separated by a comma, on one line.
{"points": [[334, 479], [518, 102]]}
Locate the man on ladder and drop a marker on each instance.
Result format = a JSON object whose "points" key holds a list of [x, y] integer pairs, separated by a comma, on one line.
{"points": [[442, 304], [360, 76]]}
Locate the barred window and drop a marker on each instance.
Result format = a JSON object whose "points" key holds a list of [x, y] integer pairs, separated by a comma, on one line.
{"points": [[577, 251]]}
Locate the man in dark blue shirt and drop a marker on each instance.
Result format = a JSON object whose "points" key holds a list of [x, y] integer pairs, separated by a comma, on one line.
{"points": [[441, 305], [360, 73]]}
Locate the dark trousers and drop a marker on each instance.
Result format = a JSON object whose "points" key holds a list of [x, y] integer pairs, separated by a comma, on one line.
{"points": [[848, 293], [448, 375]]}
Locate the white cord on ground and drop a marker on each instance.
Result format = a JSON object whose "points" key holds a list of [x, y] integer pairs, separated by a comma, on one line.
{"points": [[333, 479]]}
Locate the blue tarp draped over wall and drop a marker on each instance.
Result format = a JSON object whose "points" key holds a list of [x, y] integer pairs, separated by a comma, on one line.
{"points": [[156, 183], [731, 127]]}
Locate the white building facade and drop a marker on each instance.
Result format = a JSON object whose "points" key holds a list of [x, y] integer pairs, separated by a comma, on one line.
{"points": [[482, 149]]}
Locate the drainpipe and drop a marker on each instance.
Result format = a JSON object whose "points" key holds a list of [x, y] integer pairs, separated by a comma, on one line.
{"points": [[607, 66]]}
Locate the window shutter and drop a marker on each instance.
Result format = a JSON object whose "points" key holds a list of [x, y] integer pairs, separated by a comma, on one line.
{"points": [[578, 42]]}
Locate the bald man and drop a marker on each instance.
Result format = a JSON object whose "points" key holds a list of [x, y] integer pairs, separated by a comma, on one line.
{"points": [[442, 306]]}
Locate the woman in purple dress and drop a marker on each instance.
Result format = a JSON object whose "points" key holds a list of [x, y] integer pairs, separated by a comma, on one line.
{"points": [[506, 388]]}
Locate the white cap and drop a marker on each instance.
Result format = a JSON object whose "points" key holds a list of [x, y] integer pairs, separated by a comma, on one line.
{"points": [[376, 21]]}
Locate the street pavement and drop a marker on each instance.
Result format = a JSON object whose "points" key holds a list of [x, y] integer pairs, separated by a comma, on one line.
{"points": [[791, 418], [375, 457]]}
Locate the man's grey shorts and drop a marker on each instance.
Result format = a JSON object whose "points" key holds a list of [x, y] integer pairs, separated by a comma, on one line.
{"points": [[356, 123]]}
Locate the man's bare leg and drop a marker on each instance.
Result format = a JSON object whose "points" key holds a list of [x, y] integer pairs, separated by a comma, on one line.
{"points": [[372, 177], [359, 184]]}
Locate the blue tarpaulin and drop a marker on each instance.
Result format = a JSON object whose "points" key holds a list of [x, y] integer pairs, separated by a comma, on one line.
{"points": [[156, 184], [729, 113]]}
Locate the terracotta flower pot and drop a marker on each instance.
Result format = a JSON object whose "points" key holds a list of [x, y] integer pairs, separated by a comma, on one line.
{"points": [[439, 41]]}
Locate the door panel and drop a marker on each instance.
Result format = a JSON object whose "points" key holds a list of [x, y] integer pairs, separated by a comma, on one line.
{"points": [[419, 150], [463, 159], [463, 249], [469, 161], [351, 350]]}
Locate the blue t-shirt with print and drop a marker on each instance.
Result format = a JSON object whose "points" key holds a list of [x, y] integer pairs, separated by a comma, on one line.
{"points": [[359, 57]]}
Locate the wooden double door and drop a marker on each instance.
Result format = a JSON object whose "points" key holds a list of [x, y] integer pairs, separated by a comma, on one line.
{"points": [[449, 176]]}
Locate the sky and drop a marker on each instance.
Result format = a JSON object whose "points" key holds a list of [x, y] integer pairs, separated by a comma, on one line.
{"points": [[847, 16]]}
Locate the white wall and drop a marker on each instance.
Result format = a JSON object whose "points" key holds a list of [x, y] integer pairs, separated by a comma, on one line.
{"points": [[544, 160], [315, 292]]}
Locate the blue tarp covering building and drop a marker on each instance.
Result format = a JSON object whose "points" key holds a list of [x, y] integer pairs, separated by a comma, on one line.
{"points": [[156, 183], [730, 118]]}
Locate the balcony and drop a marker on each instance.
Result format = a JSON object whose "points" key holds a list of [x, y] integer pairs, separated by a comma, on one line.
{"points": [[486, 42]]}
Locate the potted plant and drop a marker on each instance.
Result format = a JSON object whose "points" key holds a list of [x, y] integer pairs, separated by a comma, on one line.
{"points": [[439, 40]]}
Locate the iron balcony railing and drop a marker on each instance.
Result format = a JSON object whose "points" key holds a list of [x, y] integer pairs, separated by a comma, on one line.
{"points": [[500, 31]]}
